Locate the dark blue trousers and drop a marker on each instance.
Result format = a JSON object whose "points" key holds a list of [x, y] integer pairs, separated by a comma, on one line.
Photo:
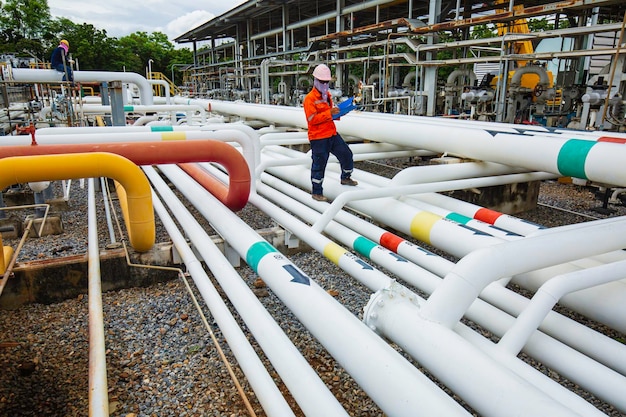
{"points": [[63, 68], [320, 151]]}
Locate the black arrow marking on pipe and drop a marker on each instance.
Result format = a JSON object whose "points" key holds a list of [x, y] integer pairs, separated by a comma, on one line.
{"points": [[398, 257], [476, 231], [365, 265], [507, 232], [298, 277]]}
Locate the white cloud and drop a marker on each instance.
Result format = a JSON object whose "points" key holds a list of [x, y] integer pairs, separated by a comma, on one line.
{"points": [[123, 17]]}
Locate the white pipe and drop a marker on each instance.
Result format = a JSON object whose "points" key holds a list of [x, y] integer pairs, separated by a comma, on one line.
{"points": [[225, 133], [609, 382], [304, 384], [99, 109], [549, 294], [476, 270], [107, 209], [98, 391], [166, 88], [487, 386], [598, 161], [26, 75], [392, 382], [270, 397], [582, 338]]}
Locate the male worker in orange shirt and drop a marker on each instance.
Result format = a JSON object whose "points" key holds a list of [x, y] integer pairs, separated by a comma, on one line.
{"points": [[323, 136]]}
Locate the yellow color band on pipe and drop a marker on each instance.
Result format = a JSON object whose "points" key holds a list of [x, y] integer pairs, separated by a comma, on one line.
{"points": [[140, 221]]}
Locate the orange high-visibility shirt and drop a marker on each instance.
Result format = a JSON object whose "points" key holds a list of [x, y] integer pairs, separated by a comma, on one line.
{"points": [[318, 117]]}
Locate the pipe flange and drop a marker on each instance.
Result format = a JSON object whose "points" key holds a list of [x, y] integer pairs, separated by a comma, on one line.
{"points": [[393, 294]]}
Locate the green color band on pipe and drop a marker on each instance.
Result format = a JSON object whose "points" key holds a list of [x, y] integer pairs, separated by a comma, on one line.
{"points": [[364, 246], [129, 108], [572, 157], [459, 218], [256, 252], [161, 128]]}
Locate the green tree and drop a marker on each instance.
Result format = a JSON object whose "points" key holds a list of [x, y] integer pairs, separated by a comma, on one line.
{"points": [[139, 47], [24, 19]]}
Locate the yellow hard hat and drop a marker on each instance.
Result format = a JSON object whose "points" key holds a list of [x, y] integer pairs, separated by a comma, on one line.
{"points": [[65, 42]]}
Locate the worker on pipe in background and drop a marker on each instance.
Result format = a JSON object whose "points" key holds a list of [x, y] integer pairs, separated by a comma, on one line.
{"points": [[60, 62], [323, 136]]}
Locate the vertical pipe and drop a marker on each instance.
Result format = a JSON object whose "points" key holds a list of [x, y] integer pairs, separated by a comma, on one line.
{"points": [[98, 392]]}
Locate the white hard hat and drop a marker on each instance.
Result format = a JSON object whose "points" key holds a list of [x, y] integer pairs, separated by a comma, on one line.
{"points": [[322, 73]]}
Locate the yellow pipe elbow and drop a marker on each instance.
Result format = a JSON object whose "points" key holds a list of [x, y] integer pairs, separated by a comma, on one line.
{"points": [[140, 219], [5, 256]]}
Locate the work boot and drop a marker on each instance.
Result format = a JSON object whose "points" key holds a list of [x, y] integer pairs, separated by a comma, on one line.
{"points": [[319, 197], [348, 181]]}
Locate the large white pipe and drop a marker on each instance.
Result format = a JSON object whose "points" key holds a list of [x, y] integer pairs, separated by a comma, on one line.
{"points": [[489, 387], [27, 75], [106, 109], [392, 382], [596, 161]]}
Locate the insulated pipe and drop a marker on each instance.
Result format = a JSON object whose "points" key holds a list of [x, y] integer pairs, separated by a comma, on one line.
{"points": [[595, 161], [549, 294], [98, 391], [27, 75], [141, 229], [235, 196], [392, 382], [476, 270], [270, 397]]}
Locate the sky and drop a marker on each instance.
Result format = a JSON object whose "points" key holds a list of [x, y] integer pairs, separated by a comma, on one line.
{"points": [[123, 17]]}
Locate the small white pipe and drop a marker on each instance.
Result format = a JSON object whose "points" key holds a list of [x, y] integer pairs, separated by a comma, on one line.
{"points": [[98, 391], [549, 294], [305, 385], [26, 75], [270, 397], [106, 109], [165, 86], [478, 269], [107, 210]]}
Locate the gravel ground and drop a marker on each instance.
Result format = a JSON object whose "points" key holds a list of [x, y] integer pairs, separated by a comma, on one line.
{"points": [[160, 356]]}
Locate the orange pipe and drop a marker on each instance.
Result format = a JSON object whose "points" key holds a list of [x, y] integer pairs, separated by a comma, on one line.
{"points": [[140, 224], [235, 196]]}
